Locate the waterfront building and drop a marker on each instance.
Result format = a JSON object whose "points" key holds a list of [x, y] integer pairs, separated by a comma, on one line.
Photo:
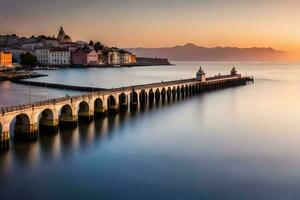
{"points": [[60, 57], [126, 58], [55, 56], [16, 54], [132, 59], [200, 76], [42, 56], [120, 57], [114, 57], [84, 56], [5, 59], [101, 58], [62, 37]]}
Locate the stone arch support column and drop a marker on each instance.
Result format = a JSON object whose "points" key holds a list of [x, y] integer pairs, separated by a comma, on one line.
{"points": [[4, 134], [47, 120], [85, 110], [112, 104], [26, 128], [68, 115], [99, 107]]}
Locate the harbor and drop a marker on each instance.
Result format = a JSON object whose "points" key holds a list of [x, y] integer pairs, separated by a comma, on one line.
{"points": [[17, 75]]}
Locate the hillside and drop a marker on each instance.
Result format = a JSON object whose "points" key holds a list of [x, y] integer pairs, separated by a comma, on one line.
{"points": [[191, 52]]}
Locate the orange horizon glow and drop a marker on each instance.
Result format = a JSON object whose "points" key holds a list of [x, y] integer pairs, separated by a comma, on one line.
{"points": [[164, 23]]}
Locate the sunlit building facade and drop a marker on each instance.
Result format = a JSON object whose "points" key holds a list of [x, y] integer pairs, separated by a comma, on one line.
{"points": [[5, 59]]}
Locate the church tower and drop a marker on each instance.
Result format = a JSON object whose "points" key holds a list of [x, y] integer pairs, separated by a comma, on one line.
{"points": [[62, 37]]}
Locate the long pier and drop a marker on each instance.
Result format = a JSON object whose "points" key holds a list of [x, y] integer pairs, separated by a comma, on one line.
{"points": [[58, 86], [28, 120]]}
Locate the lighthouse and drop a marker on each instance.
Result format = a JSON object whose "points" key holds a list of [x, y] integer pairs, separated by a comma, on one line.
{"points": [[200, 76], [234, 72]]}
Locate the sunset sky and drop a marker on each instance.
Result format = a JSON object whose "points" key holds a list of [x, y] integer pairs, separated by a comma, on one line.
{"points": [[159, 23]]}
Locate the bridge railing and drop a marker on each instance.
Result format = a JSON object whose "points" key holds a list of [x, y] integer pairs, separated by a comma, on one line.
{"points": [[13, 108]]}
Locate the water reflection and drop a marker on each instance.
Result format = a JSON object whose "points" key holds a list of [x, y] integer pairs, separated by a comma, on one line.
{"points": [[240, 143], [67, 140]]}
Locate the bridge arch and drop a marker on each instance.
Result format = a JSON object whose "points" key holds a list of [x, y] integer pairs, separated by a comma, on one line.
{"points": [[46, 115], [151, 96], [23, 128], [174, 93], [123, 101], [98, 105], [47, 121], [157, 95], [186, 90], [163, 94], [182, 91], [22, 121], [169, 93], [178, 91], [66, 110], [111, 101], [134, 100], [66, 116], [112, 105], [143, 97], [83, 109]]}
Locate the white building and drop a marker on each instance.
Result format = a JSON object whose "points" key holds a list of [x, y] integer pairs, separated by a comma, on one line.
{"points": [[60, 57], [42, 56], [16, 54], [53, 56], [114, 57], [32, 46]]}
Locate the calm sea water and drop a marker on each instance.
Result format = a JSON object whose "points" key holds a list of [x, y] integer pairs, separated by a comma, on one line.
{"points": [[238, 143]]}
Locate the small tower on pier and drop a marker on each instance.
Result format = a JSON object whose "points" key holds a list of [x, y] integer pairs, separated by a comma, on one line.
{"points": [[234, 72], [200, 76]]}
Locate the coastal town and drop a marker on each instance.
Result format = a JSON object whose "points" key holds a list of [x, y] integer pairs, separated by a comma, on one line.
{"points": [[49, 52]]}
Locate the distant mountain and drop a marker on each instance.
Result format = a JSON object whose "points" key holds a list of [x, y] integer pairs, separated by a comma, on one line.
{"points": [[192, 52]]}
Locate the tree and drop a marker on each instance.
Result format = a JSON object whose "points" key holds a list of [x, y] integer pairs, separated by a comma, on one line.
{"points": [[91, 43], [98, 46], [28, 59]]}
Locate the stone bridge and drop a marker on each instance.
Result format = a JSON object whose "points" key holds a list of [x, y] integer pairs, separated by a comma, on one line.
{"points": [[26, 121]]}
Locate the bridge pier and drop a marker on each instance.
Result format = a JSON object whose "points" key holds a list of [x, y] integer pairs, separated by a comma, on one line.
{"points": [[85, 117], [49, 126], [4, 140], [100, 112], [28, 132], [134, 101], [113, 110], [68, 121], [123, 107]]}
